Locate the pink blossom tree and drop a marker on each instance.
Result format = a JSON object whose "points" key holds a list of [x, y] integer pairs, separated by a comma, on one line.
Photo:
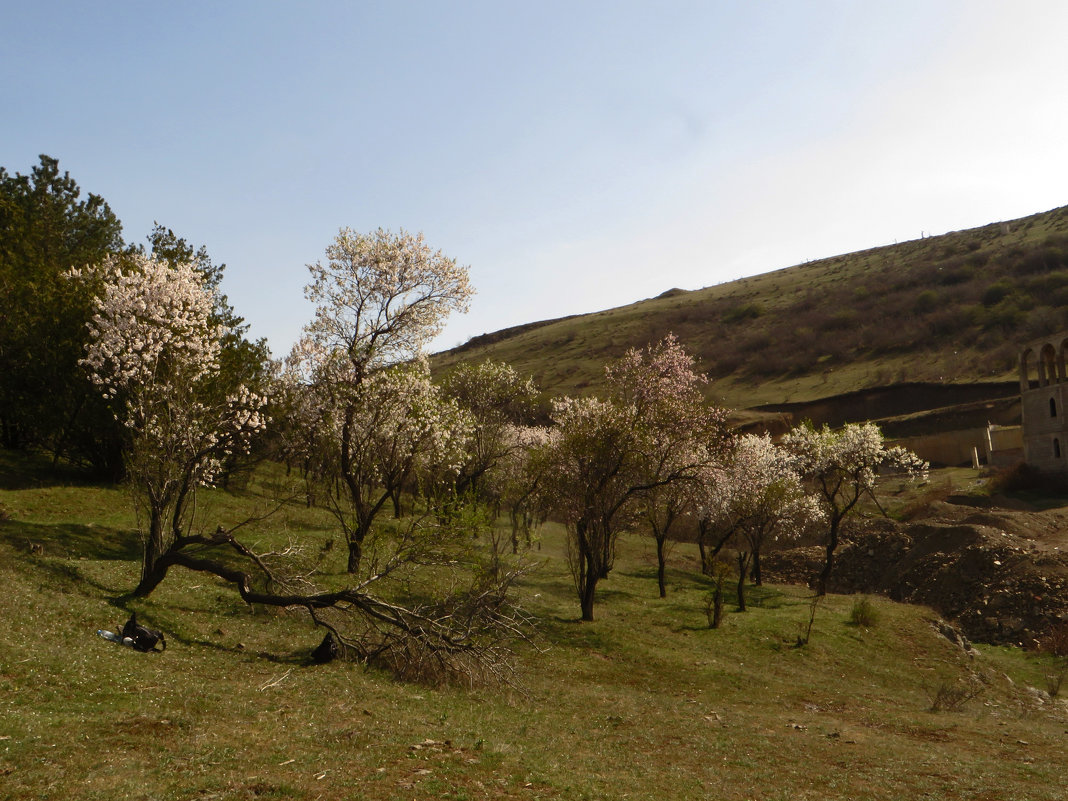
{"points": [[617, 460], [679, 433]]}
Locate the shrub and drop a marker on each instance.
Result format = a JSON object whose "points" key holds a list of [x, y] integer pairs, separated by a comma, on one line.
{"points": [[749, 311], [1056, 645], [926, 301], [864, 613], [997, 292], [951, 696], [1022, 477]]}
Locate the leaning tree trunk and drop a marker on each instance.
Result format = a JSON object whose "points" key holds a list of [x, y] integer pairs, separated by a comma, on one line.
{"points": [[152, 573], [355, 555]]}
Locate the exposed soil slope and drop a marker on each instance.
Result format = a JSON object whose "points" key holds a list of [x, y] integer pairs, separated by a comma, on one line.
{"points": [[999, 569]]}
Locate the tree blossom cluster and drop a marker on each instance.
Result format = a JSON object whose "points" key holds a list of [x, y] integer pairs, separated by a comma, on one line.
{"points": [[152, 324], [757, 491], [153, 345], [853, 455], [381, 297]]}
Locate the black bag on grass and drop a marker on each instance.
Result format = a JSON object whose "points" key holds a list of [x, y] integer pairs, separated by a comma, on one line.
{"points": [[142, 637]]}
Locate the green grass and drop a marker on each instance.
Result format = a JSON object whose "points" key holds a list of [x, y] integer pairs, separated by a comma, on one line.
{"points": [[646, 702]]}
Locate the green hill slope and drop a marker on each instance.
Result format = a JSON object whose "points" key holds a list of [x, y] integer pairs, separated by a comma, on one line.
{"points": [[950, 309]]}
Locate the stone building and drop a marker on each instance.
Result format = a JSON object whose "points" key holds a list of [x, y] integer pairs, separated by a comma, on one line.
{"points": [[1044, 403]]}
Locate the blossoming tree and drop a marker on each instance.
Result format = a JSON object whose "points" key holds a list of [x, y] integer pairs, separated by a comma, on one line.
{"points": [[615, 460], [843, 465], [392, 428], [379, 298], [519, 479], [590, 485], [678, 433], [499, 401], [154, 350], [756, 496]]}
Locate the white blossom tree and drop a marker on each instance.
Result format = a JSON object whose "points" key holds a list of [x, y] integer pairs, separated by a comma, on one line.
{"points": [[379, 299], [842, 465], [590, 486], [393, 427], [520, 478], [499, 402], [154, 350], [756, 496]]}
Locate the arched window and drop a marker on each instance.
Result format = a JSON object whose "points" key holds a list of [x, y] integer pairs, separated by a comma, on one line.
{"points": [[1047, 365], [1052, 407], [1056, 449]]}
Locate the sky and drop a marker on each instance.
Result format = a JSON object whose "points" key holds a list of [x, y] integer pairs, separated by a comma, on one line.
{"points": [[575, 155]]}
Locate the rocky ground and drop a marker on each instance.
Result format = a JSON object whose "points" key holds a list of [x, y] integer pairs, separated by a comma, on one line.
{"points": [[996, 567]]}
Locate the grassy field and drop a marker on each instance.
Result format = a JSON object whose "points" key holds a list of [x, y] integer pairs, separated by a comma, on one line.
{"points": [[647, 702]]}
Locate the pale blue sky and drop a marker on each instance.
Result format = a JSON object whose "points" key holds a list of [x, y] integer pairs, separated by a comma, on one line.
{"points": [[576, 155]]}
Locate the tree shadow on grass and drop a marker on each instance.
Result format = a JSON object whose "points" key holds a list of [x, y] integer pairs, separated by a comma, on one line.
{"points": [[71, 540], [20, 470], [65, 576]]}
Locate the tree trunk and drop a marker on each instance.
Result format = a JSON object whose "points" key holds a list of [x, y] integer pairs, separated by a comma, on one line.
{"points": [[743, 565], [588, 578], [155, 548], [717, 603], [586, 597], [660, 565], [151, 577], [832, 545], [755, 572], [355, 554]]}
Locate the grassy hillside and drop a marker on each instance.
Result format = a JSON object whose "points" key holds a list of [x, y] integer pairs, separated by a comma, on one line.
{"points": [[644, 702], [950, 308]]}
